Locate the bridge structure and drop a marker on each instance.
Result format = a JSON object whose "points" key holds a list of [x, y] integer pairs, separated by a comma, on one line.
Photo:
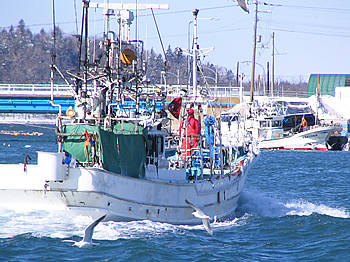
{"points": [[34, 98], [31, 102]]}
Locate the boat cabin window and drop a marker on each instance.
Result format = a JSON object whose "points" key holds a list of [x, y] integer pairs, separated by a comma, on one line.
{"points": [[227, 118], [263, 124], [270, 123], [155, 148], [276, 123]]}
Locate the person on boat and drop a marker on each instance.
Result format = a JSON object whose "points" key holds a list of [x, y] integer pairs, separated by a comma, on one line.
{"points": [[303, 124], [191, 133]]}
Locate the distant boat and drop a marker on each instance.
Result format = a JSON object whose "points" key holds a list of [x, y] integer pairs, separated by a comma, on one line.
{"points": [[333, 109], [277, 126]]}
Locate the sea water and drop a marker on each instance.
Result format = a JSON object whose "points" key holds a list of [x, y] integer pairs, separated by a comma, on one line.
{"points": [[295, 207]]}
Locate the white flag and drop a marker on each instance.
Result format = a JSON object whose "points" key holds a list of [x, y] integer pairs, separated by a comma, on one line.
{"points": [[243, 4]]}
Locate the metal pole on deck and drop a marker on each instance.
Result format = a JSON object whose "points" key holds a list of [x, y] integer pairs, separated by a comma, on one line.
{"points": [[220, 153], [195, 52], [200, 142], [58, 121], [317, 97], [268, 79]]}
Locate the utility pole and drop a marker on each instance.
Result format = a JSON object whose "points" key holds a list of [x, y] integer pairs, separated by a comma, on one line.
{"points": [[268, 79], [254, 53], [273, 64], [237, 74]]}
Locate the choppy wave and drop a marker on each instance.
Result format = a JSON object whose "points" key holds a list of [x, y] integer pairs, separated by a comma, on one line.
{"points": [[55, 224], [256, 204], [61, 225], [305, 208]]}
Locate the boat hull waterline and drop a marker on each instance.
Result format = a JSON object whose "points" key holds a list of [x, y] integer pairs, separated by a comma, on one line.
{"points": [[93, 191]]}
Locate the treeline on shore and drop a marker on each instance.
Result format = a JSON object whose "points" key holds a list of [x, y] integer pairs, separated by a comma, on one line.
{"points": [[26, 58]]}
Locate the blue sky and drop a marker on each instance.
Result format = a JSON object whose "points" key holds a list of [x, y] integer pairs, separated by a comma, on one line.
{"points": [[311, 36]]}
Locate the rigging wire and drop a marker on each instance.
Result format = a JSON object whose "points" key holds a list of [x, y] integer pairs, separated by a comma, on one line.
{"points": [[326, 9], [315, 29], [342, 10], [160, 38]]}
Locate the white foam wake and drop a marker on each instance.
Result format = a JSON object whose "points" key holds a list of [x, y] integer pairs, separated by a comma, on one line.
{"points": [[62, 225], [256, 204], [304, 208]]}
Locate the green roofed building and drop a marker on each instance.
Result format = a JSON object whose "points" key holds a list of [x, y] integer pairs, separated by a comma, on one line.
{"points": [[328, 83]]}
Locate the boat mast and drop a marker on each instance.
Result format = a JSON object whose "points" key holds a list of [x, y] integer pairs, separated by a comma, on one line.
{"points": [[195, 51], [86, 6], [317, 98], [52, 73]]}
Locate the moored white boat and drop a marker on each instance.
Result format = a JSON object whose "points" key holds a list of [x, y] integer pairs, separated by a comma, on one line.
{"points": [[275, 128], [312, 139]]}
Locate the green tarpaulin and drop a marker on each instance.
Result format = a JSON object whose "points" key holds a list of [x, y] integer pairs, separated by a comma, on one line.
{"points": [[122, 151]]}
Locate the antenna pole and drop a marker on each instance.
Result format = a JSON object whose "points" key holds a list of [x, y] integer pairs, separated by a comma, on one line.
{"points": [[86, 5], [53, 53], [195, 51]]}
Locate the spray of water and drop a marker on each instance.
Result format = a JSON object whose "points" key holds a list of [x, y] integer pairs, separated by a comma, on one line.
{"points": [[62, 225]]}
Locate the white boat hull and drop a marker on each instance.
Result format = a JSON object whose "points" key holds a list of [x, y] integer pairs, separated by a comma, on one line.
{"points": [[312, 139], [92, 191]]}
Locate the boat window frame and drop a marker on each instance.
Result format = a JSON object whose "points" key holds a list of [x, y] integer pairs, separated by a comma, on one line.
{"points": [[266, 123], [276, 123]]}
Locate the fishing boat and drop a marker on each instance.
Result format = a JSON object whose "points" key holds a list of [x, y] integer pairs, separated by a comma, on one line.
{"points": [[332, 110], [113, 153], [281, 125]]}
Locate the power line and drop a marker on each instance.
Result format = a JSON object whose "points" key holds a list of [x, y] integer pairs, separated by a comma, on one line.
{"points": [[35, 25], [341, 10]]}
